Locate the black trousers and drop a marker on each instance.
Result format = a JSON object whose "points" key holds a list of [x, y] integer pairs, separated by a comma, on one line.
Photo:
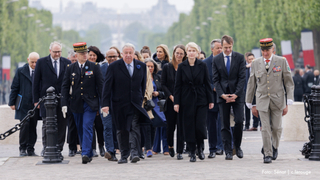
{"points": [[28, 133], [212, 118], [247, 112], [72, 137], [97, 128], [147, 136], [172, 118], [129, 141], [62, 124], [224, 109]]}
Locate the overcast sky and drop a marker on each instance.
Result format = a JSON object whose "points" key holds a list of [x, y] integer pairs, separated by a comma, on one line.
{"points": [[181, 5]]}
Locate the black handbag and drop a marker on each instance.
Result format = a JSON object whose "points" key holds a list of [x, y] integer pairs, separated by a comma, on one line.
{"points": [[149, 105], [162, 104]]}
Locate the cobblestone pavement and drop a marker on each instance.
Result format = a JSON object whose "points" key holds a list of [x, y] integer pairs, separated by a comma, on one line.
{"points": [[289, 165]]}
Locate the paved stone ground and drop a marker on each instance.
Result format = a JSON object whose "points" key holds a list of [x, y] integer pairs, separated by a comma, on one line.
{"points": [[289, 165]]}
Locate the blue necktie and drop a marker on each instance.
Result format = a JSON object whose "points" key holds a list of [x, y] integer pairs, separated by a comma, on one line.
{"points": [[55, 67], [129, 69], [228, 64]]}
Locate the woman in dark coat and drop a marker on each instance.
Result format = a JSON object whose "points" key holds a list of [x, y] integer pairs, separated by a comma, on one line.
{"points": [[298, 86], [192, 97], [168, 77], [94, 55], [157, 94], [162, 56]]}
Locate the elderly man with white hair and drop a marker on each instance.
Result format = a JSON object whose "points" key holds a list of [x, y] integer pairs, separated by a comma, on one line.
{"points": [[123, 93], [21, 101]]}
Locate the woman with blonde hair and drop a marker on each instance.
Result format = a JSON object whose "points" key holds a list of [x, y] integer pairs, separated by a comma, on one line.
{"points": [[192, 98]]}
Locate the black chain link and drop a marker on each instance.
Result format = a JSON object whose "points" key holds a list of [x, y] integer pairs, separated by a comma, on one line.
{"points": [[18, 126]]}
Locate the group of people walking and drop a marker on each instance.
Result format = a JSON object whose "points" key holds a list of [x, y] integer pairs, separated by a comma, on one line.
{"points": [[135, 101]]}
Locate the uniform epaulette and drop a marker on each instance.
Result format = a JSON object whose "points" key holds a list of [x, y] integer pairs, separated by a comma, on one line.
{"points": [[283, 57], [68, 65], [96, 63]]}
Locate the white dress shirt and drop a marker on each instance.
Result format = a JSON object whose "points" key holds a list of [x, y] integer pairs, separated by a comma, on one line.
{"points": [[226, 59]]}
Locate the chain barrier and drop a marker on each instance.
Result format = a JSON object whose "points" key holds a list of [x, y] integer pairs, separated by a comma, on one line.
{"points": [[18, 126]]}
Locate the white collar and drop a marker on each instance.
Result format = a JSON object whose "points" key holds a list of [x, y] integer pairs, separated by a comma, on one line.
{"points": [[264, 59], [224, 55], [54, 60]]}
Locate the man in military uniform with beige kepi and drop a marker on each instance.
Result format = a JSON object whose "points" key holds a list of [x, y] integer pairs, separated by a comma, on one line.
{"points": [[270, 74], [82, 85]]}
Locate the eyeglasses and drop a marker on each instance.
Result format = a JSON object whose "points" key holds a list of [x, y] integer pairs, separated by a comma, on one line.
{"points": [[112, 57], [179, 54], [56, 52]]}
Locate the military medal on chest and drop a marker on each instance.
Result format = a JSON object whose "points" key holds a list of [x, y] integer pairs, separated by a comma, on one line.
{"points": [[267, 65], [72, 83]]}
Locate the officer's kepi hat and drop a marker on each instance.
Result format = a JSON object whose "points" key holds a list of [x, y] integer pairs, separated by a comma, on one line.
{"points": [[80, 47], [266, 43]]}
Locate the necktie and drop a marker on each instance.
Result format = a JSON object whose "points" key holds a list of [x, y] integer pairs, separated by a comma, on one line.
{"points": [[32, 73], [55, 67], [228, 64], [129, 69], [81, 68]]}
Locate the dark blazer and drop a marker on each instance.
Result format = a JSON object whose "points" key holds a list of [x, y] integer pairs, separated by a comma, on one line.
{"points": [[235, 81], [22, 84], [85, 87], [125, 93], [208, 61], [192, 89], [45, 76], [157, 82], [308, 81]]}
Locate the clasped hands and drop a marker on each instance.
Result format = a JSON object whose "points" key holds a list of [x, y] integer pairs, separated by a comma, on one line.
{"points": [[229, 97]]}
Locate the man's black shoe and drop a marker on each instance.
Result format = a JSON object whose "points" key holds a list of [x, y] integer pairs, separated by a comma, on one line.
{"points": [[102, 151], [135, 159], [60, 156], [23, 152], [171, 152], [219, 152], [86, 159], [142, 156], [239, 152], [201, 155], [122, 161], [179, 156], [267, 159], [229, 156], [193, 158], [32, 153], [72, 153], [212, 155], [275, 153]]}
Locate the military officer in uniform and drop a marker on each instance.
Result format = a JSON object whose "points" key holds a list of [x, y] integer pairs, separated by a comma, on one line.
{"points": [[269, 75], [82, 84]]}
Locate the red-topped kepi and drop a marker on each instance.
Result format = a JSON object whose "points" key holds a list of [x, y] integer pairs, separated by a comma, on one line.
{"points": [[80, 47], [266, 43]]}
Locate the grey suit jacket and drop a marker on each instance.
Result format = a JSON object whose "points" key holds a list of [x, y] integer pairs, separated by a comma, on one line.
{"points": [[269, 85]]}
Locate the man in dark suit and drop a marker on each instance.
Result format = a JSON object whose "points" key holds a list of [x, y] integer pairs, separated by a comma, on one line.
{"points": [[212, 116], [123, 90], [22, 85], [249, 59], [85, 80], [228, 69], [308, 79], [49, 72]]}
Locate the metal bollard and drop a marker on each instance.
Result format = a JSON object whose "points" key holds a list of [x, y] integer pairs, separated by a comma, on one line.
{"points": [[51, 155], [315, 117]]}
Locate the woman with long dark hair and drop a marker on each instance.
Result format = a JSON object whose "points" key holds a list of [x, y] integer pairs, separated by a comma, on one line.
{"points": [[167, 82]]}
